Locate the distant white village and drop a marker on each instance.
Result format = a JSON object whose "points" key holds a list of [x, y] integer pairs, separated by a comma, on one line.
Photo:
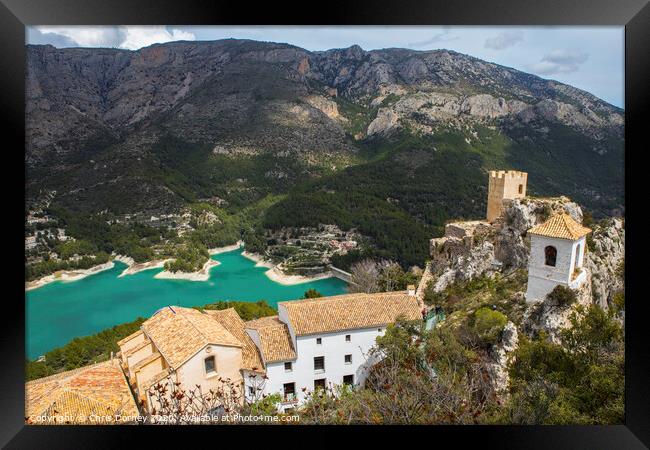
{"points": [[310, 344]]}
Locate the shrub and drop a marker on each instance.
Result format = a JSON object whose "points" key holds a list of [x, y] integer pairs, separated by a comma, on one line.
{"points": [[562, 296], [488, 325], [312, 293]]}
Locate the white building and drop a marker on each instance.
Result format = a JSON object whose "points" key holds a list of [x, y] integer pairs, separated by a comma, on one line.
{"points": [[557, 250], [324, 342], [311, 343]]}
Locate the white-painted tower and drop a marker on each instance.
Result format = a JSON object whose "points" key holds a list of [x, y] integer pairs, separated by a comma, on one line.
{"points": [[557, 251]]}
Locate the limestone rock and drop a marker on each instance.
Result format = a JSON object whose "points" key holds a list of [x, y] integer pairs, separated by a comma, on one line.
{"points": [[501, 355], [386, 119], [604, 261]]}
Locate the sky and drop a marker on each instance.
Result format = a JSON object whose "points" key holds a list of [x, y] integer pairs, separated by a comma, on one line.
{"points": [[589, 58]]}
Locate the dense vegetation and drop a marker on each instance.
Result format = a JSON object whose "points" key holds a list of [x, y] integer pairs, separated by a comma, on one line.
{"points": [[246, 310], [49, 266], [581, 381], [438, 377]]}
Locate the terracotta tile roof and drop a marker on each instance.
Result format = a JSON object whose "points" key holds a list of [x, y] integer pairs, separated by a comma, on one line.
{"points": [[98, 389], [275, 340], [560, 226], [349, 311], [179, 333], [231, 321], [129, 337]]}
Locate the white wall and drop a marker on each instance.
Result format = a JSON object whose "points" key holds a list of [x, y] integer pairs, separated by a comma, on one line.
{"points": [[228, 364], [542, 278], [334, 348]]}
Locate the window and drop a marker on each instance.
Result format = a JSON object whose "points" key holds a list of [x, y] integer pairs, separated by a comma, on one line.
{"points": [[380, 329], [251, 391], [348, 338], [288, 367], [550, 253], [319, 363], [577, 261], [289, 390], [319, 384], [210, 366], [348, 379], [348, 359], [319, 341], [521, 188]]}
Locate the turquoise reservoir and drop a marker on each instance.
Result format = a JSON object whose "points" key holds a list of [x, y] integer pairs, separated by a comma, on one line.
{"points": [[60, 311]]}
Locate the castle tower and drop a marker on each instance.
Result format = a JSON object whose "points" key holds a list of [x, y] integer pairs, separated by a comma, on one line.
{"points": [[502, 184], [557, 251]]}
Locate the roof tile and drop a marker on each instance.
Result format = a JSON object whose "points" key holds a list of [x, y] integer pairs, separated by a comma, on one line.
{"points": [[350, 311], [560, 226]]}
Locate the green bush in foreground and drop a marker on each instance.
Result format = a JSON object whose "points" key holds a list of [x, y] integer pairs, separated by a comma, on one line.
{"points": [[488, 325], [562, 296]]}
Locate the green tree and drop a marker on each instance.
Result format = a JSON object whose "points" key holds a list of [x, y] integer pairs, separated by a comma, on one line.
{"points": [[312, 293]]}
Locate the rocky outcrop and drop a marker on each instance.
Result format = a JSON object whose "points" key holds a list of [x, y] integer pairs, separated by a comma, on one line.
{"points": [[551, 318], [604, 260], [501, 355], [519, 215], [386, 120], [327, 107], [474, 248]]}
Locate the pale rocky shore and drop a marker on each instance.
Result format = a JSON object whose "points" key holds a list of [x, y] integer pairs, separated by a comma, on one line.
{"points": [[135, 268], [276, 274], [68, 275], [227, 248], [259, 260], [200, 275]]}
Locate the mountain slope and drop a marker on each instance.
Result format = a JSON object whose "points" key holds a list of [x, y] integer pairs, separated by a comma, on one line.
{"points": [[407, 134]]}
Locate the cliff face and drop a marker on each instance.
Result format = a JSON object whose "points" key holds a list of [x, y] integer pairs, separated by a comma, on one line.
{"points": [[471, 249], [145, 122]]}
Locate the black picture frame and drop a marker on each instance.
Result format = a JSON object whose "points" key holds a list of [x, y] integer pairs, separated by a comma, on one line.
{"points": [[633, 14]]}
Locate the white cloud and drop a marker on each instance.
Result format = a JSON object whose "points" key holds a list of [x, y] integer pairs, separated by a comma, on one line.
{"points": [[443, 36], [127, 37], [504, 40], [87, 36], [138, 37], [560, 61]]}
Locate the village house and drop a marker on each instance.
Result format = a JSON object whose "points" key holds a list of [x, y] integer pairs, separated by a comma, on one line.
{"points": [[311, 343], [182, 345]]}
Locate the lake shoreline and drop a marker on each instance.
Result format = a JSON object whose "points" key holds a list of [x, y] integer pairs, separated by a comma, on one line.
{"points": [[277, 275], [200, 275], [68, 275], [225, 249], [275, 272]]}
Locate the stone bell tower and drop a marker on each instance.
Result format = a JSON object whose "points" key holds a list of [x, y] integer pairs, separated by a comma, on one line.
{"points": [[501, 185]]}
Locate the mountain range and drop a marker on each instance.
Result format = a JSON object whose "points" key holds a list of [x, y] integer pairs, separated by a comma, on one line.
{"points": [[383, 138]]}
